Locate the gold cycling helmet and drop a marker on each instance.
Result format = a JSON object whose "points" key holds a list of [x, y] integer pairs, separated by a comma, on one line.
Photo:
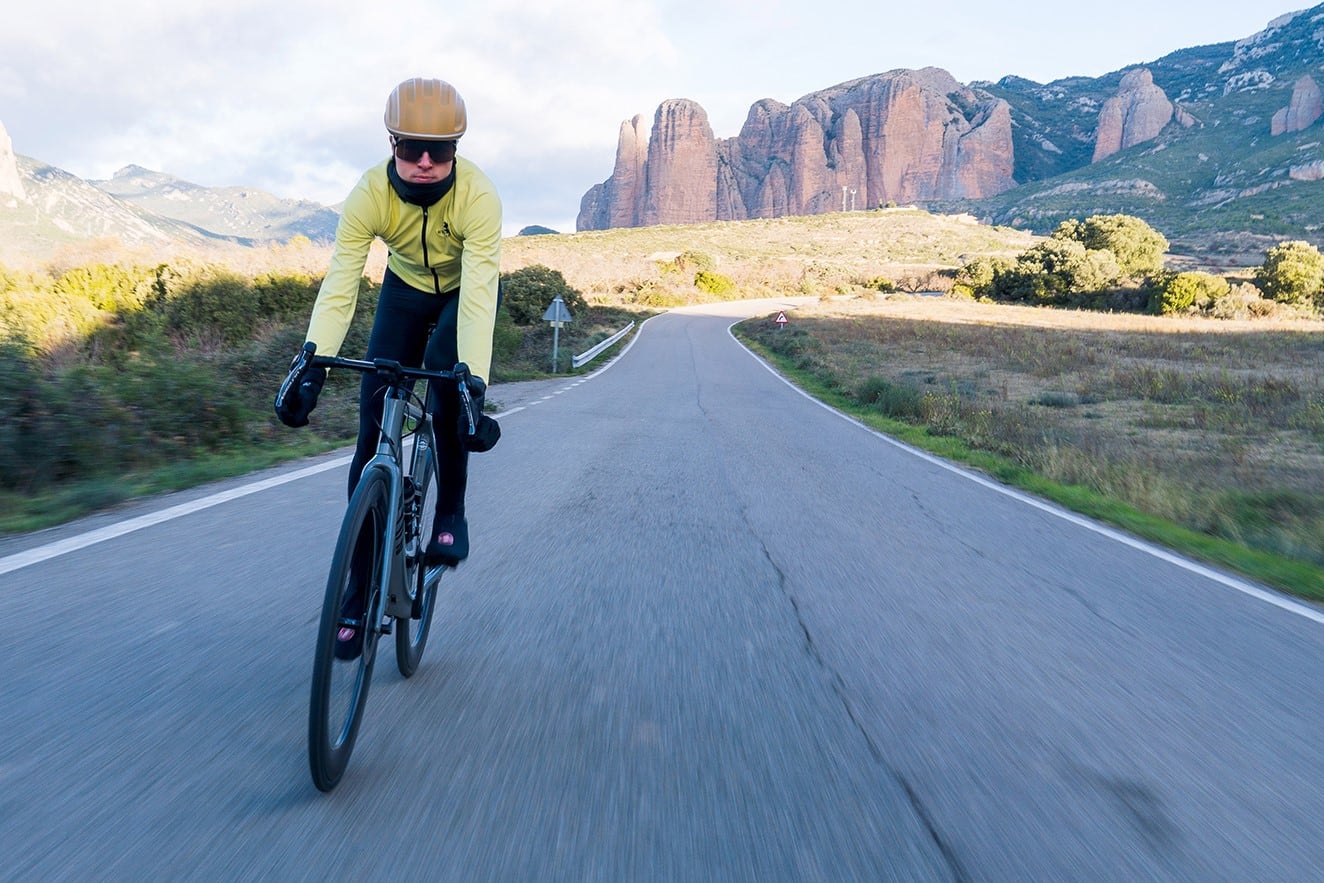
{"points": [[424, 108]]}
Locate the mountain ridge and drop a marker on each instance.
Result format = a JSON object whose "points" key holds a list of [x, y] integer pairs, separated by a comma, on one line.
{"points": [[44, 209], [1235, 168]]}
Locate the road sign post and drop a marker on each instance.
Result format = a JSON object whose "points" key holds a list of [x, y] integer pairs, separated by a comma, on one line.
{"points": [[781, 319], [558, 315]]}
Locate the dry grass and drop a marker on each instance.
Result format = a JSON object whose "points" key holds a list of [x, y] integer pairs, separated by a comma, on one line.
{"points": [[821, 254], [1214, 425]]}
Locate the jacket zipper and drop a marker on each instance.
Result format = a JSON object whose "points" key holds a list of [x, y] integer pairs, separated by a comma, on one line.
{"points": [[436, 282]]}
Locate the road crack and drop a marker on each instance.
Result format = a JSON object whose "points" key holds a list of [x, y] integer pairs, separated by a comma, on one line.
{"points": [[838, 686]]}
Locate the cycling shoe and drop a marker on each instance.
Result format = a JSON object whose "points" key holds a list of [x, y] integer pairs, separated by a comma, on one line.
{"points": [[450, 541]]}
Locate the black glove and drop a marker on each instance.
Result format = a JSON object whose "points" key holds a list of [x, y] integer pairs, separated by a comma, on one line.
{"points": [[486, 434], [297, 396], [486, 431]]}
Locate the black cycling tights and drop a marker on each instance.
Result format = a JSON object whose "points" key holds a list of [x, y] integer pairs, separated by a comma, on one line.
{"points": [[400, 332]]}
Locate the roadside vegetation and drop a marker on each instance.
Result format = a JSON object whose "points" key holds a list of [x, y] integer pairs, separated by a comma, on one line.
{"points": [[1183, 407], [118, 380], [1184, 403]]}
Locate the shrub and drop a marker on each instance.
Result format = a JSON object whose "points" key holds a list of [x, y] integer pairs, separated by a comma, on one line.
{"points": [[528, 292], [109, 286], [975, 279], [890, 399], [714, 283], [1050, 272], [1293, 272], [286, 297], [1137, 247], [1181, 292], [1241, 301], [506, 339], [44, 319], [694, 260], [879, 283], [217, 306]]}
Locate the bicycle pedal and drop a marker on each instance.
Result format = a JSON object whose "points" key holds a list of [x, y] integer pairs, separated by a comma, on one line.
{"points": [[386, 626]]}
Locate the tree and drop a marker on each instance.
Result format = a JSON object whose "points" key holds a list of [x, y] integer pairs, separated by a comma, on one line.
{"points": [[975, 279], [1137, 246], [528, 292], [1293, 272], [1050, 272]]}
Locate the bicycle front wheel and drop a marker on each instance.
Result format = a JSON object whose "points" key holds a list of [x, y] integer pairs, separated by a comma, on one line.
{"points": [[411, 633], [341, 674]]}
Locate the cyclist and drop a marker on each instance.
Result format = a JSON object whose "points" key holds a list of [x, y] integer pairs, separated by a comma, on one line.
{"points": [[440, 218]]}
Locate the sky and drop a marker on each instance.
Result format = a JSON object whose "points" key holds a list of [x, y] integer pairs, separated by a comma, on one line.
{"points": [[287, 96]]}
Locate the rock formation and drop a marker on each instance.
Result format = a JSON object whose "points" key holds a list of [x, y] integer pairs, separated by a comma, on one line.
{"points": [[1137, 113], [11, 185], [903, 136], [1305, 107], [680, 174]]}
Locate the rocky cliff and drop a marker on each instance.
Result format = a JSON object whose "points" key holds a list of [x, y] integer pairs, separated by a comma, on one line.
{"points": [[903, 135], [11, 185], [1302, 111], [1137, 113]]}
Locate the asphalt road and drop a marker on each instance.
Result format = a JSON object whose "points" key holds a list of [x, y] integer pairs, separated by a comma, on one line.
{"points": [[710, 630]]}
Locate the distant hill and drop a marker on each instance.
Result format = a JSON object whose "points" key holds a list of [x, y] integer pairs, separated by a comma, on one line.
{"points": [[54, 208], [44, 209], [239, 212]]}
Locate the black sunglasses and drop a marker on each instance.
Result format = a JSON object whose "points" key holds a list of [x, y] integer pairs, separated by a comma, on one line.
{"points": [[412, 150]]}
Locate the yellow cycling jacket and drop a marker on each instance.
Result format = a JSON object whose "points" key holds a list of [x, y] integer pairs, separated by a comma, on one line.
{"points": [[456, 242]]}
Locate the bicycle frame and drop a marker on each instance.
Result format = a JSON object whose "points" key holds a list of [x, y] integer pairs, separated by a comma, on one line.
{"points": [[397, 407], [390, 456]]}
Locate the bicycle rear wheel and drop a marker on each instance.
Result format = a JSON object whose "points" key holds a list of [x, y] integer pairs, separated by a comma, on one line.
{"points": [[353, 591], [411, 632]]}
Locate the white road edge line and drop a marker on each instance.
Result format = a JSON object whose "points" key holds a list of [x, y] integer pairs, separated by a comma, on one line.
{"points": [[38, 554], [1125, 539]]}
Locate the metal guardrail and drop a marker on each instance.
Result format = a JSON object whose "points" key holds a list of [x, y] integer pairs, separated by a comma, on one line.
{"points": [[592, 353]]}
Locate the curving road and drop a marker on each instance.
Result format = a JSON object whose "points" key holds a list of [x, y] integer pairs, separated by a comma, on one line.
{"points": [[710, 631]]}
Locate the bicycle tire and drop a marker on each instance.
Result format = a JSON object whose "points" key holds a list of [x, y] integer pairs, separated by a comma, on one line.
{"points": [[333, 719], [411, 632]]}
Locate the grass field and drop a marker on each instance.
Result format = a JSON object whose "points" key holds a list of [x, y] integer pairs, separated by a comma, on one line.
{"points": [[1204, 435]]}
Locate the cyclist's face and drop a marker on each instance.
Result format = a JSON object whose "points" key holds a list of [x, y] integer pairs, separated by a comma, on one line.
{"points": [[423, 170]]}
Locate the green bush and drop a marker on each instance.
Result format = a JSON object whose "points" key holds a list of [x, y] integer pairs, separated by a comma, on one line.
{"points": [[714, 283], [111, 287], [506, 340], [879, 283], [975, 279], [1181, 292], [1292, 273], [656, 294], [694, 260], [1049, 273], [891, 399], [528, 292], [218, 306], [1241, 301], [1137, 247], [286, 297]]}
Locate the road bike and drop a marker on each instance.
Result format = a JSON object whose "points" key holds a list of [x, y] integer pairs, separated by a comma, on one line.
{"points": [[380, 582]]}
